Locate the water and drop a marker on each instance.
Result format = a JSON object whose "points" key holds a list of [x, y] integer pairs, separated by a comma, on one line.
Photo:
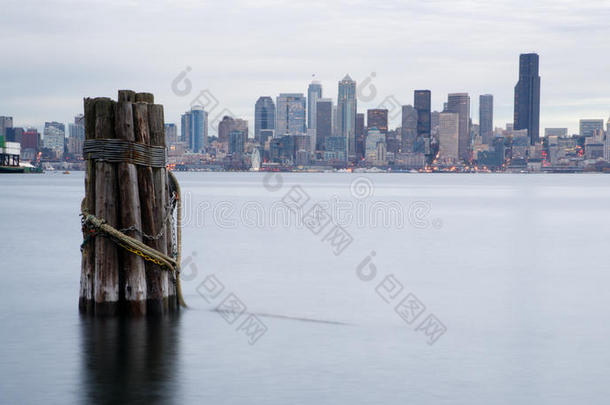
{"points": [[514, 266]]}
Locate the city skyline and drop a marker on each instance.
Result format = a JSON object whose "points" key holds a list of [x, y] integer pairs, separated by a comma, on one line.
{"points": [[38, 86]]}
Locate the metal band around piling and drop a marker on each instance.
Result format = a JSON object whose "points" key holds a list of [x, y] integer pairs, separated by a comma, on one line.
{"points": [[121, 151]]}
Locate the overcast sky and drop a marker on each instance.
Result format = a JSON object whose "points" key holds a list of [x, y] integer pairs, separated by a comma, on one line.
{"points": [[54, 53]]}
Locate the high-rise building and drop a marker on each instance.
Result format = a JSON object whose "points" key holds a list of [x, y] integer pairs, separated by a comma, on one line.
{"points": [[448, 138], [375, 146], [5, 122], [589, 127], [54, 137], [408, 128], [30, 144], [198, 129], [264, 117], [527, 97], [555, 132], [314, 93], [607, 142], [360, 135], [346, 113], [377, 118], [486, 117], [236, 141], [225, 126], [324, 125], [290, 114], [460, 103], [185, 128], [422, 103], [76, 136], [171, 134]]}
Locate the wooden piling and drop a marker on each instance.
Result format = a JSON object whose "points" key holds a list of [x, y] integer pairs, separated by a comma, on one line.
{"points": [[129, 195], [86, 297], [106, 208], [132, 266]]}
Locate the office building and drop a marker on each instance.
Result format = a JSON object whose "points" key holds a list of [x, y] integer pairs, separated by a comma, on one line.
{"points": [[324, 125], [448, 138], [360, 135], [555, 132], [377, 118], [588, 128], [346, 113], [527, 97], [264, 117], [314, 93], [459, 103], [408, 128], [290, 114], [486, 118]]}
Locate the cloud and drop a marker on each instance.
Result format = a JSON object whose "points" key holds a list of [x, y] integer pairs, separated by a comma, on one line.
{"points": [[64, 50]]}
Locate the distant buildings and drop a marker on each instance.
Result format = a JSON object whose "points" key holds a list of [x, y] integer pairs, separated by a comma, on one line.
{"points": [[527, 97], [290, 114], [228, 125], [264, 118], [588, 128], [237, 141], [375, 147], [171, 134], [76, 136], [54, 138], [5, 122], [459, 103], [486, 117], [346, 113], [360, 135]]}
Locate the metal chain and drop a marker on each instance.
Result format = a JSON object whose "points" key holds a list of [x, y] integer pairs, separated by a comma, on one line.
{"points": [[169, 212]]}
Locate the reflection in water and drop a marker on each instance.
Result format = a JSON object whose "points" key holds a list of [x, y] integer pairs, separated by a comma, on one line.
{"points": [[129, 360]]}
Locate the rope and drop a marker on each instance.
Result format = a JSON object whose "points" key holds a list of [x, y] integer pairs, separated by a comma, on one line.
{"points": [[122, 151], [92, 226]]}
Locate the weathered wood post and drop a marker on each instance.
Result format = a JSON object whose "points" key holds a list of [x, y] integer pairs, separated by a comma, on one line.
{"points": [[127, 265]]}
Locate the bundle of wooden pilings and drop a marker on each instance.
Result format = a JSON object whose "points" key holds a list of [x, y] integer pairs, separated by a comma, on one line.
{"points": [[130, 197]]}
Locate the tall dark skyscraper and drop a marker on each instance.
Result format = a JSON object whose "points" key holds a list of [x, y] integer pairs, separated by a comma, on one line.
{"points": [[527, 97], [486, 117], [324, 121], [460, 103], [264, 117], [409, 128], [377, 118], [360, 145], [422, 103]]}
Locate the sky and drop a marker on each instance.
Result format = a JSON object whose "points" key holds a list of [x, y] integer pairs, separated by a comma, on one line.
{"points": [[231, 52]]}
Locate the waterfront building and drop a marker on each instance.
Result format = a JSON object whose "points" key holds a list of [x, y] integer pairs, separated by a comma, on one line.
{"points": [[408, 128], [377, 118], [54, 138]]}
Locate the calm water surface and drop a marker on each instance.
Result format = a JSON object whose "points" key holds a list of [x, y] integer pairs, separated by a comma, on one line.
{"points": [[515, 266]]}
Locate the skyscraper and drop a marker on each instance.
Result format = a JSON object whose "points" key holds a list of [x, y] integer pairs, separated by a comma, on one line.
{"points": [[185, 128], [360, 135], [486, 117], [54, 137], [527, 97], [346, 113], [409, 128], [377, 118], [198, 129], [587, 128], [324, 125], [460, 103], [5, 122], [422, 103], [314, 93], [290, 114], [264, 117], [448, 138]]}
